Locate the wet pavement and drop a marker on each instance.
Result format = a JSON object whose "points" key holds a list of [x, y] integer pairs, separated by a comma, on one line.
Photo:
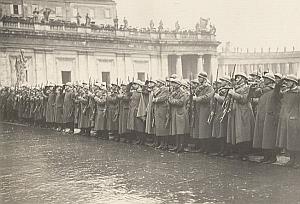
{"points": [[44, 166]]}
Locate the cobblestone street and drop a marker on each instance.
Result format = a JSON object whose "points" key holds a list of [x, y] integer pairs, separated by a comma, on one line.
{"points": [[43, 166]]}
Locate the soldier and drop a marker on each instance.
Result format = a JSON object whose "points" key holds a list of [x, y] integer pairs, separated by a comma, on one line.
{"points": [[149, 129], [201, 129], [161, 94], [135, 124], [178, 114], [218, 130], [84, 122], [225, 148], [266, 102], [289, 126], [59, 102], [68, 108], [100, 119], [123, 98], [112, 111], [50, 116], [240, 118]]}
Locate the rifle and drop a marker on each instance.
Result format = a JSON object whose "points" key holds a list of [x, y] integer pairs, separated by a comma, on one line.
{"points": [[228, 100], [191, 103], [214, 104]]}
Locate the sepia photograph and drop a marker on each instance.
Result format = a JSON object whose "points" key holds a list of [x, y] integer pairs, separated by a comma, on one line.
{"points": [[149, 101]]}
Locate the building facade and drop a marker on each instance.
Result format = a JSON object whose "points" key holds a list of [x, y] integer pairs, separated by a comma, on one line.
{"points": [[62, 52], [258, 62], [100, 11]]}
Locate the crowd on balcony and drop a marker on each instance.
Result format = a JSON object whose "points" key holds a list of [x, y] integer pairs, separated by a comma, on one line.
{"points": [[42, 17]]}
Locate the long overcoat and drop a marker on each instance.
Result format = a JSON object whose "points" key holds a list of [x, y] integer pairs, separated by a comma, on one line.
{"points": [[68, 107], [112, 112], [260, 117], [85, 113], [50, 116], [160, 111], [288, 132], [133, 122], [59, 102], [100, 120], [201, 129], [240, 126], [179, 113], [271, 120], [123, 113]]}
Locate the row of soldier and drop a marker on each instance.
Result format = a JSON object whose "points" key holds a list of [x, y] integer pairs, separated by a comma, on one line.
{"points": [[229, 117]]}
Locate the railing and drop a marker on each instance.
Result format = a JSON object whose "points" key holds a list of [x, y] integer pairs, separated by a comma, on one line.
{"points": [[112, 33]]}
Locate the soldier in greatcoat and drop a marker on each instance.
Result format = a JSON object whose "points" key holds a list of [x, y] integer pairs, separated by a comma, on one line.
{"points": [[135, 124], [219, 128], [160, 99], [201, 129], [84, 120], [112, 111], [240, 126], [101, 105], [289, 117], [123, 100], [68, 107], [50, 109], [178, 114], [262, 132], [59, 102]]}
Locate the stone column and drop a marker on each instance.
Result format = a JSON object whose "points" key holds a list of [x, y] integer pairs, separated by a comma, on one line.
{"points": [[286, 68], [50, 67], [163, 64], [83, 73], [179, 66], [213, 66], [277, 70], [200, 64]]}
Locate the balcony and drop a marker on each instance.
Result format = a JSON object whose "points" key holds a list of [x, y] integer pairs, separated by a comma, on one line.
{"points": [[99, 32]]}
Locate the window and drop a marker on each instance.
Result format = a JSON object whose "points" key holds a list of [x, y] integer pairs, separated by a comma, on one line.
{"points": [[58, 12], [65, 76], [106, 77], [141, 76], [16, 9], [107, 13]]}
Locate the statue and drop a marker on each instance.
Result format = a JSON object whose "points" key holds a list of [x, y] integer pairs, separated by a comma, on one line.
{"points": [[20, 67], [87, 20], [151, 25], [46, 14], [125, 23], [78, 17], [212, 30], [116, 23], [177, 26], [161, 26]]}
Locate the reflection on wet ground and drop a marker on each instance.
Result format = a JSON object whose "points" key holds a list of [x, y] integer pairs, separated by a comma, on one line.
{"points": [[43, 166]]}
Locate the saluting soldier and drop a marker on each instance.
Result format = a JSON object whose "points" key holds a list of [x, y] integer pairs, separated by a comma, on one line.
{"points": [[201, 129], [240, 119], [289, 126]]}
